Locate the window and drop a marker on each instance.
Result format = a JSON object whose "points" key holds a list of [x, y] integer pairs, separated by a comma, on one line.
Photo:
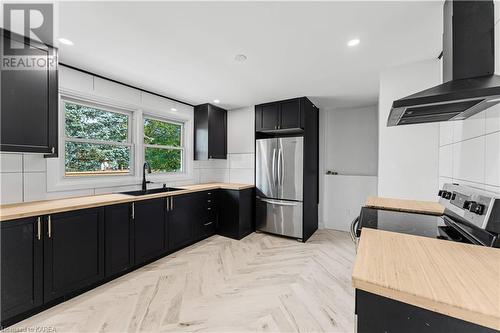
{"points": [[163, 145], [96, 141]]}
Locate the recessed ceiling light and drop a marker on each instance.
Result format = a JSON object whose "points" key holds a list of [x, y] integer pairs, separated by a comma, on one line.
{"points": [[65, 41], [173, 109], [240, 57], [216, 101], [353, 42]]}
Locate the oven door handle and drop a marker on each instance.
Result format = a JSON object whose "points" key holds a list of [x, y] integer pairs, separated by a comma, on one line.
{"points": [[352, 229]]}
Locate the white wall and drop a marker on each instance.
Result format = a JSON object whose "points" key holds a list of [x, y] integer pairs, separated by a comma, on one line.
{"points": [[30, 177], [349, 146], [469, 151], [239, 167], [408, 154], [352, 141]]}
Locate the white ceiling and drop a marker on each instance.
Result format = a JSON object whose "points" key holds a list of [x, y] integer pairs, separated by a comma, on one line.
{"points": [[186, 50]]}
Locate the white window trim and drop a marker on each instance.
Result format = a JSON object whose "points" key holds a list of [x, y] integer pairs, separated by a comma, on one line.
{"points": [[56, 181], [181, 148], [64, 138]]}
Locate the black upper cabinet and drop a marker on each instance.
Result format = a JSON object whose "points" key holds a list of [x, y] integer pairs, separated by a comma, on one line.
{"points": [[290, 114], [119, 249], [270, 117], [149, 229], [210, 132], [282, 115], [73, 251], [21, 274], [29, 100]]}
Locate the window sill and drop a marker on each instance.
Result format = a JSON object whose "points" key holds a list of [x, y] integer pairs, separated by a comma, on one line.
{"points": [[56, 183]]}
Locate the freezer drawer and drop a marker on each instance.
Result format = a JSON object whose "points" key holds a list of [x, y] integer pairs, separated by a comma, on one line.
{"points": [[279, 217]]}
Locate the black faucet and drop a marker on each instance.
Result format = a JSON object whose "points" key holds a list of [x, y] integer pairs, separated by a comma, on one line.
{"points": [[144, 182]]}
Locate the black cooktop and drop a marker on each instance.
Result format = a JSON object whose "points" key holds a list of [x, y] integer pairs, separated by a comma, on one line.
{"points": [[406, 223], [447, 226]]}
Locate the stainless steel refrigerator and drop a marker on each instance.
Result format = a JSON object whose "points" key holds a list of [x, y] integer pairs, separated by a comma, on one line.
{"points": [[279, 184]]}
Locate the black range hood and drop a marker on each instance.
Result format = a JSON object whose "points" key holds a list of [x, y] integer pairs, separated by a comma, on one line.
{"points": [[468, 66]]}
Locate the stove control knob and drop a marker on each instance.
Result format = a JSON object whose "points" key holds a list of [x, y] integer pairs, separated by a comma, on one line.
{"points": [[447, 195], [467, 204], [473, 207], [440, 193], [479, 209]]}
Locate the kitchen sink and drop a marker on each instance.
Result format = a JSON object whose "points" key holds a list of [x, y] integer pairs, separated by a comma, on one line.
{"points": [[152, 191]]}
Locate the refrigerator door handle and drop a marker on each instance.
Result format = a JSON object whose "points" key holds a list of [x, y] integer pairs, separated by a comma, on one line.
{"points": [[281, 167], [273, 166], [280, 203]]}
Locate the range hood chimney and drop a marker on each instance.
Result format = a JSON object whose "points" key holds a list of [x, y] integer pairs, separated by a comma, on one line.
{"points": [[468, 69]]}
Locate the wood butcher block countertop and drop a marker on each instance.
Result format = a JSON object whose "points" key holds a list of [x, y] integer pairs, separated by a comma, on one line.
{"points": [[454, 279], [27, 209], [410, 206]]}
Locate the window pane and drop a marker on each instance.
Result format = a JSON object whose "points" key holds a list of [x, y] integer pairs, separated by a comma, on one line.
{"points": [[95, 159], [164, 160], [158, 132], [89, 123]]}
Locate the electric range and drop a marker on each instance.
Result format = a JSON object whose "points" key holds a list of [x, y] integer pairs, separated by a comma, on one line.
{"points": [[470, 216]]}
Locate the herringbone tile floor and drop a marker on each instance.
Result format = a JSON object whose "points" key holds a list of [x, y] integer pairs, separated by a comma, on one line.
{"points": [[261, 283]]}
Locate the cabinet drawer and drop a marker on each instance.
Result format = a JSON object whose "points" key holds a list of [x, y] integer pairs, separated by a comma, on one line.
{"points": [[205, 228]]}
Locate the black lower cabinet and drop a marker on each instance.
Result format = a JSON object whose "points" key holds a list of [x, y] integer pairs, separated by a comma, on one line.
{"points": [[205, 223], [119, 232], [376, 313], [182, 215], [73, 251], [48, 259], [148, 218], [236, 219], [21, 267]]}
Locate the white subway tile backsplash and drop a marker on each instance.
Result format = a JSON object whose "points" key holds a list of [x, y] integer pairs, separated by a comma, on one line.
{"points": [[11, 188], [35, 189], [196, 175], [213, 164], [469, 160], [493, 118], [470, 127], [445, 133], [446, 161], [244, 176], [492, 162], [10, 162], [34, 163], [35, 186], [444, 180], [214, 175], [241, 161], [475, 150]]}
